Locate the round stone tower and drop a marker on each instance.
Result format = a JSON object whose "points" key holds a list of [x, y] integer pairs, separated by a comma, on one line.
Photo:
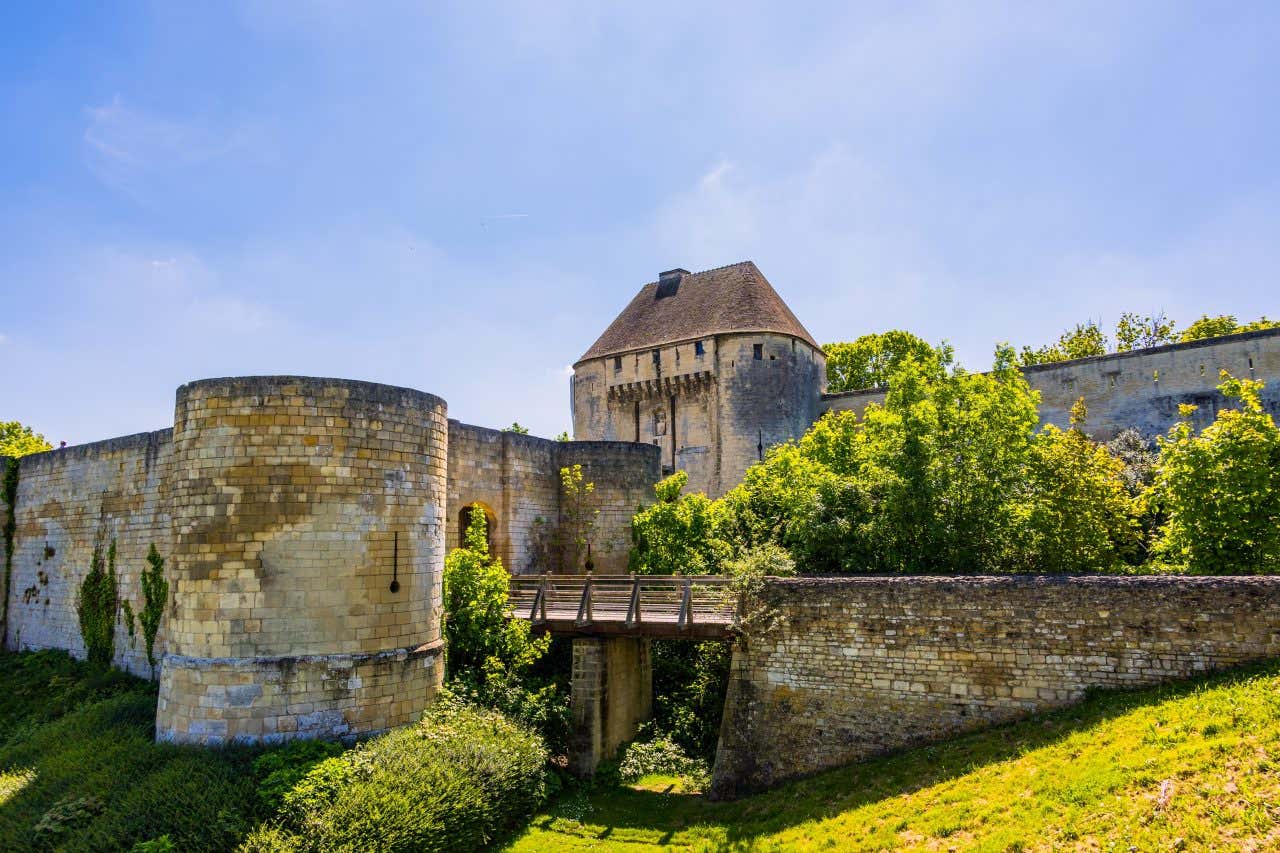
{"points": [[308, 530]]}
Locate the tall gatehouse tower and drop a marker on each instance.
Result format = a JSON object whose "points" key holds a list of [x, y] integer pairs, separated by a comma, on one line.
{"points": [[712, 367]]}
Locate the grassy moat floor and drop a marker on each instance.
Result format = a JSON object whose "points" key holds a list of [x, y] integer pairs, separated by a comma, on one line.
{"points": [[1193, 766]]}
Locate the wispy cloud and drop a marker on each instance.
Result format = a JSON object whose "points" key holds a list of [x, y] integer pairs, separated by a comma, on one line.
{"points": [[125, 144]]}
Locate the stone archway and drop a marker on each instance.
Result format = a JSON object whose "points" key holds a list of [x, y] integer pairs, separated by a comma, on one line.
{"points": [[490, 524]]}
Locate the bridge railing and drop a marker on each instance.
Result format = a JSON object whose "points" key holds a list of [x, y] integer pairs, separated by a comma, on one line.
{"points": [[656, 605]]}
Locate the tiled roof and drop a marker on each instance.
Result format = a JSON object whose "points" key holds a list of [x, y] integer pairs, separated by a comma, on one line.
{"points": [[736, 298]]}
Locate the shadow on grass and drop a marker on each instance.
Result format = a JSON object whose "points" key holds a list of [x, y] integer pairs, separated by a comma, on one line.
{"points": [[832, 792]]}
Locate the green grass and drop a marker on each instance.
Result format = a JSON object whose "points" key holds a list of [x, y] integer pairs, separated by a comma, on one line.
{"points": [[79, 769], [1189, 766]]}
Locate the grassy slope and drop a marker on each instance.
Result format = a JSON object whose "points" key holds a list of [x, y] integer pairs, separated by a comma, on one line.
{"points": [[1191, 766], [80, 738]]}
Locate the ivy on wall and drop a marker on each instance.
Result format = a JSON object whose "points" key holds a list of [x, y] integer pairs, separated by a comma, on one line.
{"points": [[96, 607], [155, 596]]}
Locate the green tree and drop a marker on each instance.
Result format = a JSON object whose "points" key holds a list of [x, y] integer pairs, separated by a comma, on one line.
{"points": [[1220, 490], [869, 361], [1078, 513], [1138, 332], [517, 428], [578, 514], [1085, 340], [1223, 324], [677, 535], [17, 440], [479, 637], [564, 436], [489, 656]]}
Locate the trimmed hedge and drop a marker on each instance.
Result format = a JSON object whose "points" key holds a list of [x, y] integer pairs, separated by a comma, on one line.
{"points": [[459, 780]]}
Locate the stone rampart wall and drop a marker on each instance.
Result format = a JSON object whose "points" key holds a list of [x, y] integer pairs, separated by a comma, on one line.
{"points": [[853, 667], [1140, 389], [70, 501], [517, 478]]}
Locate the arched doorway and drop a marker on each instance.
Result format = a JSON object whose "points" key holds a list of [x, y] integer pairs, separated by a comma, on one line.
{"points": [[490, 524]]}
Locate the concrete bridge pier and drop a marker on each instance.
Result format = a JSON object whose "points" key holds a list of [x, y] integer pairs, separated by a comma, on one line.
{"points": [[611, 695]]}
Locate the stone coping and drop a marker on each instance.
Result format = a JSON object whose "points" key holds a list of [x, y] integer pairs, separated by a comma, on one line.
{"points": [[430, 649], [367, 391]]}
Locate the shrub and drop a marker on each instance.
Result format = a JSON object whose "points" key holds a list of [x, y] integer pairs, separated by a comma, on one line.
{"points": [[459, 780], [489, 657], [661, 756], [1221, 489], [280, 770]]}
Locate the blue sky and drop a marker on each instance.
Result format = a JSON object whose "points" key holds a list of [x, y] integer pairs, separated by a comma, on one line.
{"points": [[458, 197]]}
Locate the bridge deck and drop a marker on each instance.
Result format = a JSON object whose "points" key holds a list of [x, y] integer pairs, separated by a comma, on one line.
{"points": [[702, 607]]}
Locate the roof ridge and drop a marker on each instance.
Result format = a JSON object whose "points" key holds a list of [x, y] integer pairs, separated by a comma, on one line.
{"points": [[719, 300], [713, 269]]}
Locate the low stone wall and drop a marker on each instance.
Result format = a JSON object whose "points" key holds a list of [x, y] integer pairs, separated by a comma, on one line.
{"points": [[853, 667]]}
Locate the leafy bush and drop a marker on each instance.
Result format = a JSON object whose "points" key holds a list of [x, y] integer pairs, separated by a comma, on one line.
{"points": [[459, 780], [1221, 489], [661, 756], [280, 770], [948, 476], [677, 534], [489, 657]]}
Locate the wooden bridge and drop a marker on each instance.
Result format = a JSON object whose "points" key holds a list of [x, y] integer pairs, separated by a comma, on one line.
{"points": [[701, 607]]}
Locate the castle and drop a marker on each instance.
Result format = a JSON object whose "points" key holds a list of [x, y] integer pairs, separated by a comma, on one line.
{"points": [[714, 369], [304, 521]]}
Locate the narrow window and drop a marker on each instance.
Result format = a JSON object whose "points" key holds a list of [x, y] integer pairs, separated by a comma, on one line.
{"points": [[657, 357], [757, 351], [1251, 363], [617, 364], [1113, 380], [677, 355], [637, 420], [698, 349], [1202, 370]]}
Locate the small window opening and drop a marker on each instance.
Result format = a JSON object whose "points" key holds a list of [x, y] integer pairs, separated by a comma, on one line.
{"points": [[773, 358], [657, 357], [1251, 363], [698, 348], [1113, 380], [1202, 370], [617, 364], [677, 355], [757, 351]]}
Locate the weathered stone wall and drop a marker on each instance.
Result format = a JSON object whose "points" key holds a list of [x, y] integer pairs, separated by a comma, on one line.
{"points": [[623, 474], [853, 667], [1140, 389], [517, 478], [308, 550], [709, 414], [70, 501]]}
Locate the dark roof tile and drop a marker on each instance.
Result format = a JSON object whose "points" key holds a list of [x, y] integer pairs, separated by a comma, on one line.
{"points": [[736, 298]]}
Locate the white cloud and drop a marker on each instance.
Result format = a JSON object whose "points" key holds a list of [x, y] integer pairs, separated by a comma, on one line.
{"points": [[126, 145]]}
